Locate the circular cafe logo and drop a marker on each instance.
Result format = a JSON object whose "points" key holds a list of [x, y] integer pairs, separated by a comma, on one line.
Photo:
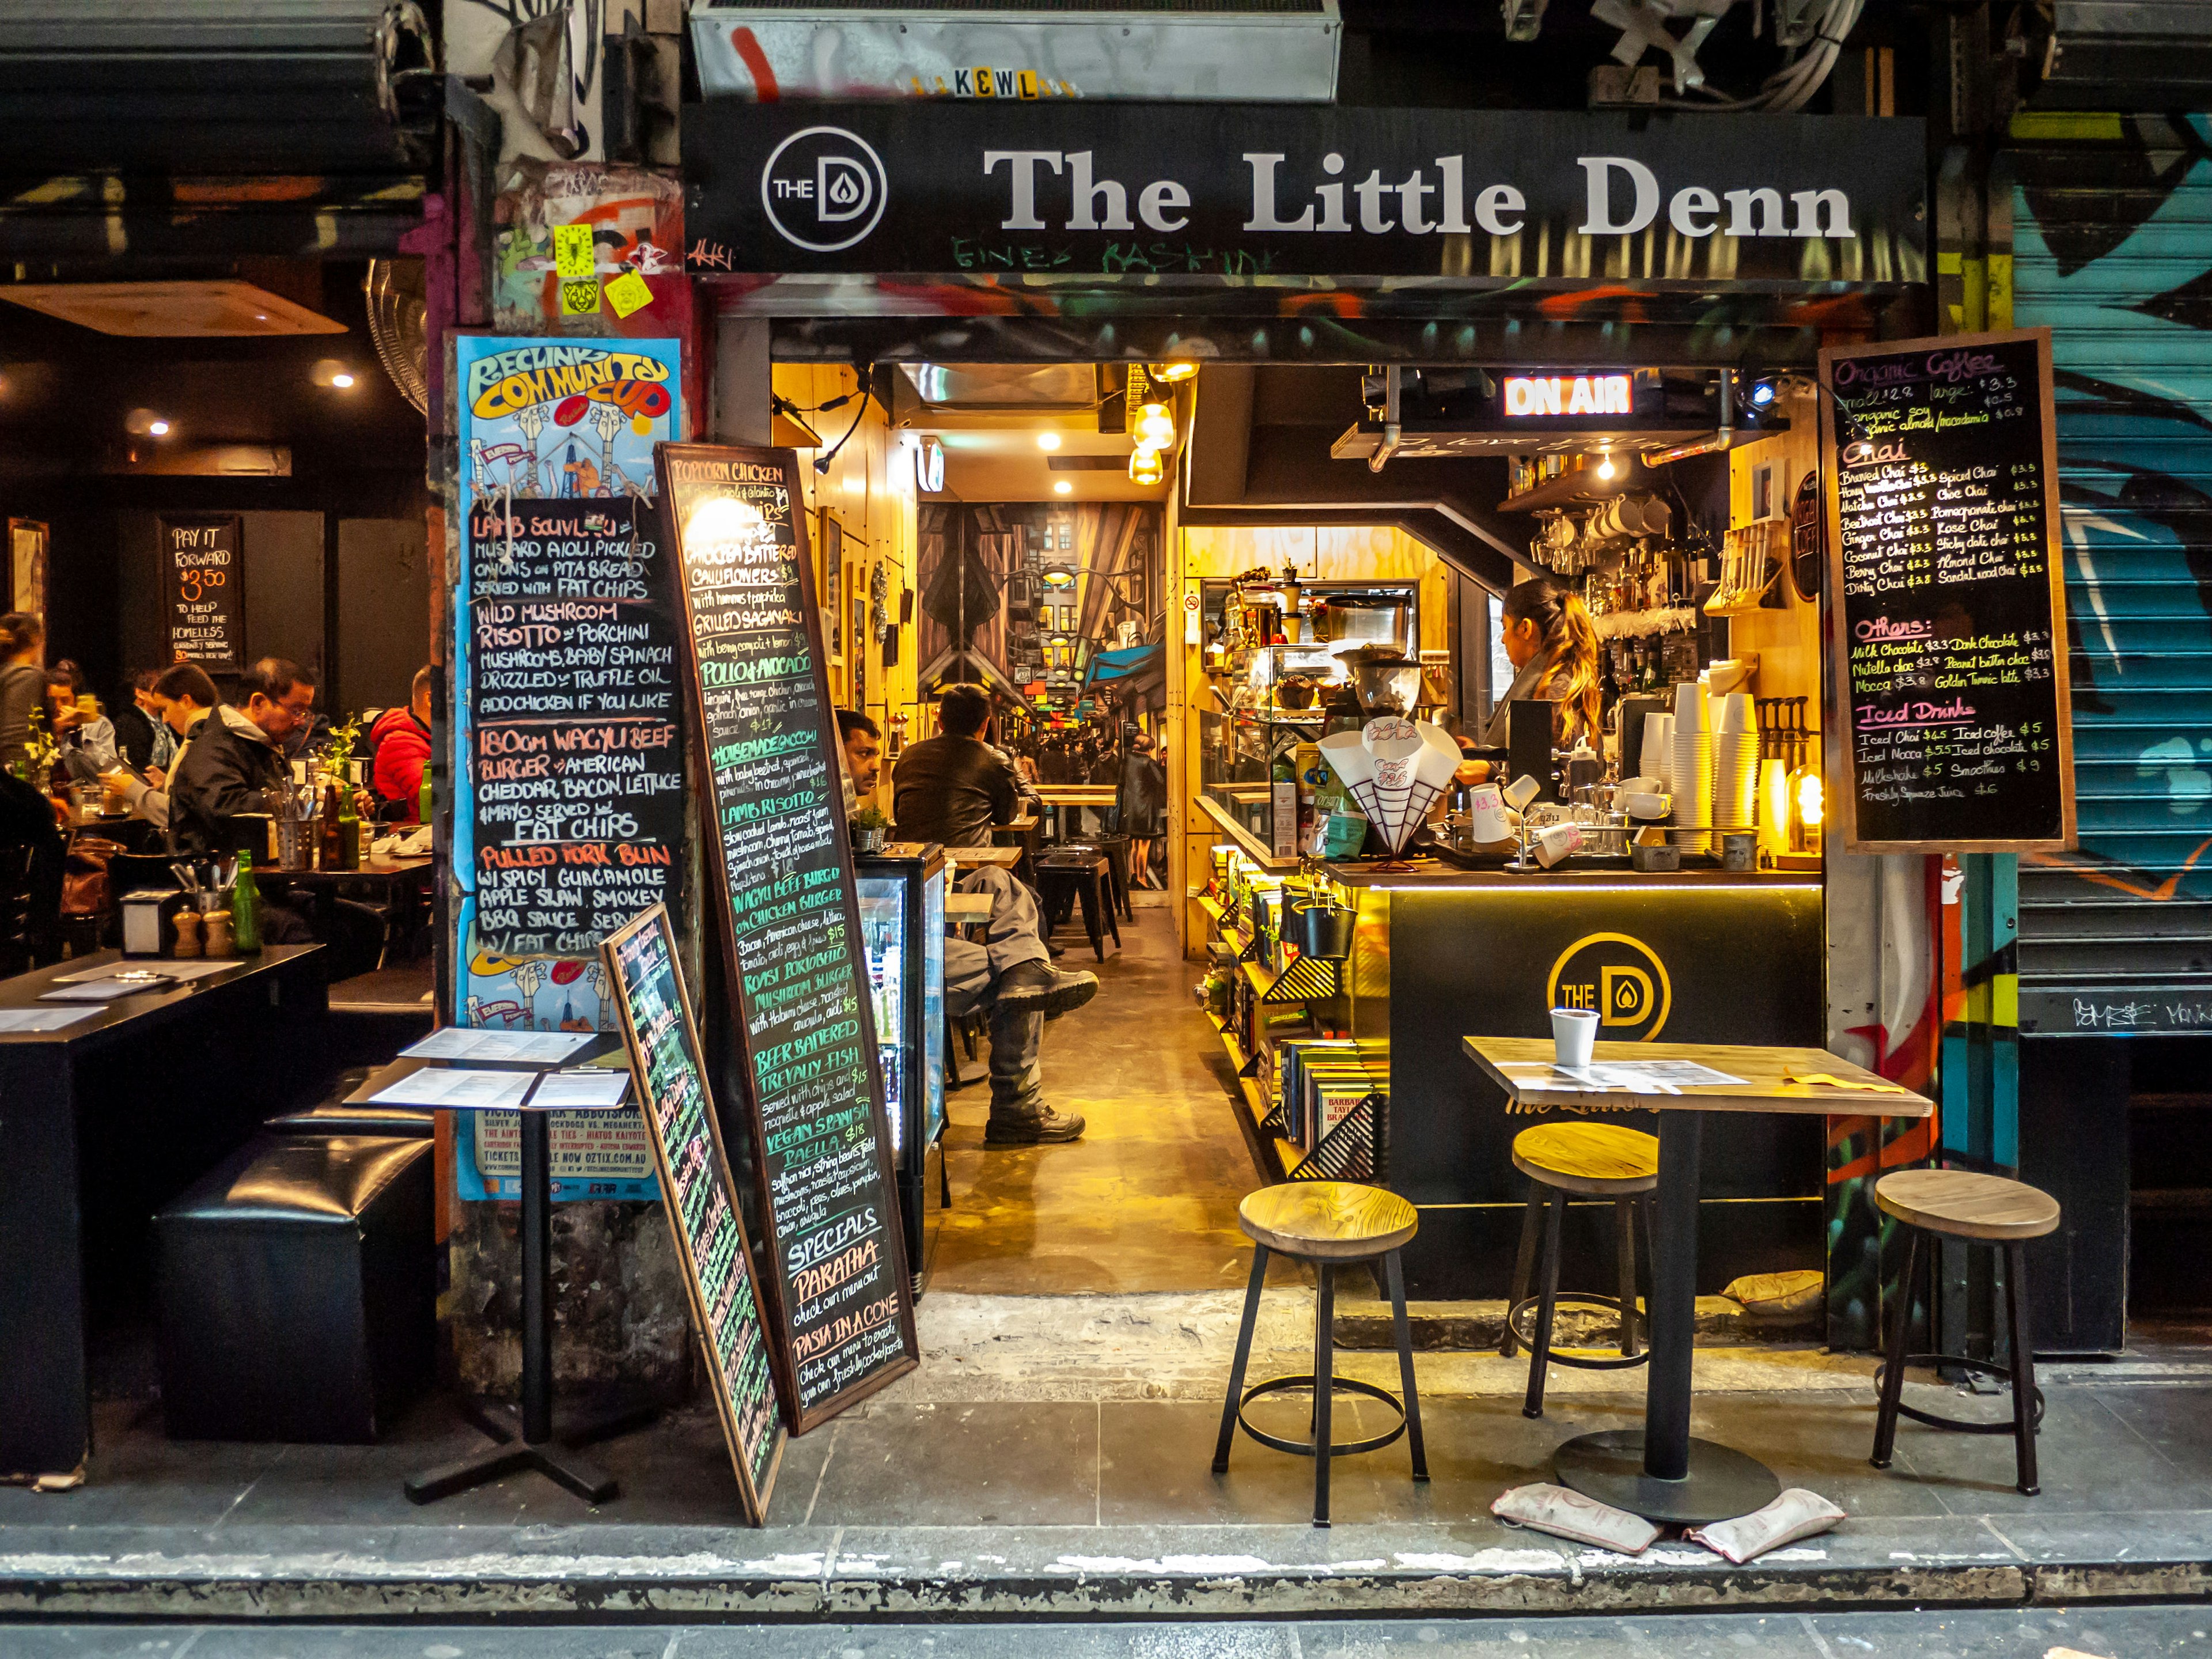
{"points": [[823, 188], [1619, 979]]}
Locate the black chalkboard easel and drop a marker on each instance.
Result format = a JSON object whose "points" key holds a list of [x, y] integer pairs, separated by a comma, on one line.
{"points": [[1946, 597], [787, 919]]}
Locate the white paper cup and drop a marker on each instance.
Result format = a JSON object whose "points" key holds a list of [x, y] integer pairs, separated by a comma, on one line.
{"points": [[1574, 1031], [1485, 813], [1522, 790], [1736, 713], [1689, 706]]}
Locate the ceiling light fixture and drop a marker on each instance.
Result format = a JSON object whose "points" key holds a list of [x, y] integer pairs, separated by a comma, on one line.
{"points": [[1048, 440], [1168, 374], [342, 382], [1155, 428], [1145, 466], [1061, 487], [158, 429], [1605, 468]]}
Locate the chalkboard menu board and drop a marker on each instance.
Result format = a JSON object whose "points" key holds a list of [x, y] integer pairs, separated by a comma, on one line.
{"points": [[788, 920], [576, 757], [664, 1061], [1947, 608], [203, 590]]}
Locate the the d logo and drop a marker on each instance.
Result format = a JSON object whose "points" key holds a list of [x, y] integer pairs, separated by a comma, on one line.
{"points": [[1619, 979], [823, 189]]}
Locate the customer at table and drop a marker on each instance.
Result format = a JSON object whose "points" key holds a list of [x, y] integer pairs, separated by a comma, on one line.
{"points": [[22, 683], [1554, 650], [84, 741], [401, 738], [183, 697], [238, 755], [142, 735], [954, 787], [1010, 974]]}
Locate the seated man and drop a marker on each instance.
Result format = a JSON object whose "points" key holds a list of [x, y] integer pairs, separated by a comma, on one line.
{"points": [[1010, 972], [401, 738], [183, 697], [953, 787], [238, 754]]}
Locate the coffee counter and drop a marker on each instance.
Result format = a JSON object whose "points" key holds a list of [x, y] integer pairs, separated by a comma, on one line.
{"points": [[1695, 957]]}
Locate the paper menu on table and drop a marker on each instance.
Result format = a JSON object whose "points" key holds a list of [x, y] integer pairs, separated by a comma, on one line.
{"points": [[458, 1087], [41, 1019], [1636, 1076], [167, 966], [582, 1091], [109, 988], [466, 1042]]}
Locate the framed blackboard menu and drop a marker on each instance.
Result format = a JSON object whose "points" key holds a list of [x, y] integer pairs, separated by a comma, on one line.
{"points": [[788, 920], [1947, 607], [665, 1063], [575, 763], [203, 590]]}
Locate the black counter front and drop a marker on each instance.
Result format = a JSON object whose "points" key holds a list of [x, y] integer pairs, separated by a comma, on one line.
{"points": [[1704, 957]]}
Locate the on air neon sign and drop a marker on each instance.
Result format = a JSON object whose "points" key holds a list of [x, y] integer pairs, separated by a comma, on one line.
{"points": [[1556, 394]]}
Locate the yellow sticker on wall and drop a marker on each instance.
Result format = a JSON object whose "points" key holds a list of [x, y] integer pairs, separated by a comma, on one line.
{"points": [[580, 299], [573, 256], [628, 291]]}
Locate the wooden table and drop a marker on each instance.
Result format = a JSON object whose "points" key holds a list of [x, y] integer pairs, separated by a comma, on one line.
{"points": [[1099, 795], [969, 858], [1658, 1471]]}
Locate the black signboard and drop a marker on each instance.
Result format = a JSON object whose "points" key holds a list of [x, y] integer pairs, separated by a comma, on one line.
{"points": [[1948, 604], [203, 590], [665, 1063], [789, 923], [1216, 192], [576, 764]]}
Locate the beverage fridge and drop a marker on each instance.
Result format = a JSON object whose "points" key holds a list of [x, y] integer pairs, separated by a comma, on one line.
{"points": [[902, 894]]}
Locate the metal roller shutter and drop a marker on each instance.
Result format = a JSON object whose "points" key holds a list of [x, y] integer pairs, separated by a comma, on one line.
{"points": [[2113, 243]]}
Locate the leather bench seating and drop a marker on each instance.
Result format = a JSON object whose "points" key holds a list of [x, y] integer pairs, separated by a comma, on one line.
{"points": [[297, 1290]]}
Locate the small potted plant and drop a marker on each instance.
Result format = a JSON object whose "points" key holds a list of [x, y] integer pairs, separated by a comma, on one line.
{"points": [[869, 829]]}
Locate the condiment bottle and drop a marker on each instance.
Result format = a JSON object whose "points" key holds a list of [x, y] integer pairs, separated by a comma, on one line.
{"points": [[245, 908], [221, 941], [188, 935]]}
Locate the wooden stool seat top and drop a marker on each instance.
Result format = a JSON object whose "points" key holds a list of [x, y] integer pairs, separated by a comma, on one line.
{"points": [[1960, 1204], [1603, 1160], [1329, 1221]]}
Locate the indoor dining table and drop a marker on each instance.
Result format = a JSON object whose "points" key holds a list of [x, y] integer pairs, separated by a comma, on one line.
{"points": [[1659, 1472]]}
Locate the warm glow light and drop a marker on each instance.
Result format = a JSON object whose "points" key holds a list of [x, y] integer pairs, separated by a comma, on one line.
{"points": [[158, 429], [1048, 440], [1063, 488], [1168, 374], [1154, 427], [1605, 466], [1808, 800], [1145, 467], [342, 381], [720, 519]]}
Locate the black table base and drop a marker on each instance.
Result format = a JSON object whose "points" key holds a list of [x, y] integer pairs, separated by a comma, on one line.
{"points": [[1719, 1485], [527, 1437]]}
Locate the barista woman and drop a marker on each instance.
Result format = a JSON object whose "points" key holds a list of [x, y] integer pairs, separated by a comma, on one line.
{"points": [[1554, 650]]}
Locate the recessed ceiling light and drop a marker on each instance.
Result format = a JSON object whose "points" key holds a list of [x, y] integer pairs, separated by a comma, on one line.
{"points": [[1048, 440], [342, 381], [158, 429], [1063, 488]]}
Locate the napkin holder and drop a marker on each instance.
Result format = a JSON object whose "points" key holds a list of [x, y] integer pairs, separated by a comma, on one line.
{"points": [[149, 921]]}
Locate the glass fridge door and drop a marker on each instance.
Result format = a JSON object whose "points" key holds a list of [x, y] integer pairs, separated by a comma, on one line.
{"points": [[933, 1009], [883, 934]]}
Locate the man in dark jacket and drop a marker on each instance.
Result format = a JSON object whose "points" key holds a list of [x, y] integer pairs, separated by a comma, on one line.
{"points": [[237, 755], [953, 787]]}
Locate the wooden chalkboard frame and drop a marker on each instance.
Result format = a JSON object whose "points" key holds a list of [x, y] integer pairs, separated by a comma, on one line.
{"points": [[754, 1498], [235, 664], [771, 1283], [1843, 802]]}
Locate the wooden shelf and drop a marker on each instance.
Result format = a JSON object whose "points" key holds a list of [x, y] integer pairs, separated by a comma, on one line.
{"points": [[1248, 843]]}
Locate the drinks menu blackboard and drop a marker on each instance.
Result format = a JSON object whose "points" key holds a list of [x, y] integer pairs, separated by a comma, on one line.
{"points": [[665, 1063], [1947, 610], [789, 923], [575, 763], [203, 590]]}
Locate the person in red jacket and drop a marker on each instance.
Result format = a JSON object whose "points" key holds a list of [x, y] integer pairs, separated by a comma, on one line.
{"points": [[402, 738]]}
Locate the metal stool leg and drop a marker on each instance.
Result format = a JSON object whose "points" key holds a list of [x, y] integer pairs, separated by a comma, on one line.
{"points": [[1243, 1355], [1540, 1356], [1624, 1250], [2023, 1368], [1394, 1272], [1900, 1344], [1324, 1391], [1524, 1263]]}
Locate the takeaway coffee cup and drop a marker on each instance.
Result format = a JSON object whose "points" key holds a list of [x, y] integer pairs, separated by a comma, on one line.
{"points": [[1486, 814], [1574, 1030]]}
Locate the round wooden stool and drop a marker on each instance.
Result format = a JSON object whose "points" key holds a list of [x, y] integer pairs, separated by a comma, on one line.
{"points": [[1563, 1161], [1978, 1209], [1332, 1225]]}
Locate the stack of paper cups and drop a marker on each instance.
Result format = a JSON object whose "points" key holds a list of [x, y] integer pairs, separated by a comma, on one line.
{"points": [[1657, 759], [1735, 760], [1692, 778]]}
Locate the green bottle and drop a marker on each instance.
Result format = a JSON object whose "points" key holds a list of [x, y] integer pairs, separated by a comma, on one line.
{"points": [[424, 799], [349, 832], [246, 908]]}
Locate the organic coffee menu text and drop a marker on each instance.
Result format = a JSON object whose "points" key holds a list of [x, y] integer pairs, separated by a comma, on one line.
{"points": [[1948, 612], [775, 806]]}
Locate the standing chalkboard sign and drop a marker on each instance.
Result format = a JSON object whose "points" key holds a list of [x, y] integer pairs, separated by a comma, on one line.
{"points": [[665, 1065], [1947, 607], [203, 590], [788, 920]]}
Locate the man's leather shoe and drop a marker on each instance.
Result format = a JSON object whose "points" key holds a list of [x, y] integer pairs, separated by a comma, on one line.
{"points": [[1041, 1126], [1040, 987]]}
